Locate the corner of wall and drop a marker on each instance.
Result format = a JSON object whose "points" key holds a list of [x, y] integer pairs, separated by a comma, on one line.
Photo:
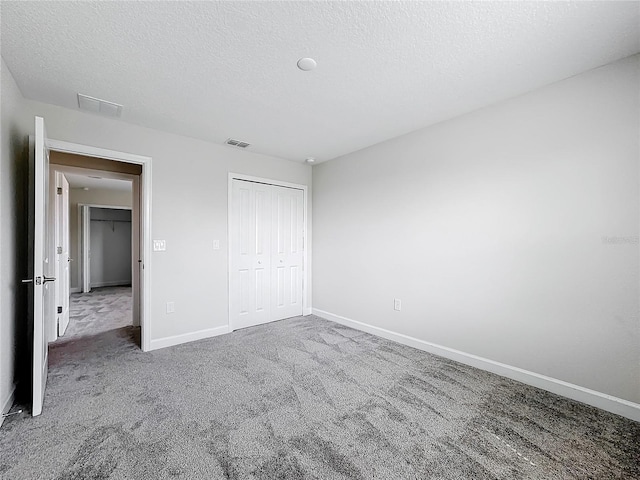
{"points": [[596, 399], [7, 403], [13, 233]]}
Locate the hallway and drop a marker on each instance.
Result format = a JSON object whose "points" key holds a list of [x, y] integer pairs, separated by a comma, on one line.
{"points": [[102, 309]]}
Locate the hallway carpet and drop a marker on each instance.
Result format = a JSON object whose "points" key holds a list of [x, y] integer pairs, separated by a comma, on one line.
{"points": [[102, 309], [302, 398]]}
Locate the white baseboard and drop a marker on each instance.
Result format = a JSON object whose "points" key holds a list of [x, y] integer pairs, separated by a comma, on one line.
{"points": [[75, 290], [187, 337], [113, 283], [7, 403], [600, 400]]}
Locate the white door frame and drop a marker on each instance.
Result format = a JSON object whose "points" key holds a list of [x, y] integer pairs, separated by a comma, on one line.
{"points": [[306, 282], [145, 214], [85, 242]]}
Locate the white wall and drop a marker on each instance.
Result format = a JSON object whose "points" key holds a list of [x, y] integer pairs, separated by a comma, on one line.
{"points": [[189, 209], [12, 234], [94, 196], [110, 247], [489, 228]]}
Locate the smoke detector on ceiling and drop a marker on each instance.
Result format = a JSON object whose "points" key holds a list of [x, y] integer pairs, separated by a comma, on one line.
{"points": [[307, 64], [237, 143], [96, 105]]}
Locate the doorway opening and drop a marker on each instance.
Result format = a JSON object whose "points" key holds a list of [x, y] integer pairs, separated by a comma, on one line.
{"points": [[96, 220], [43, 256]]}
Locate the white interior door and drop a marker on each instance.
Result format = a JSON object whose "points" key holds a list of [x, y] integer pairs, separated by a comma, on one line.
{"points": [[250, 260], [287, 252], [266, 253], [42, 264], [62, 252]]}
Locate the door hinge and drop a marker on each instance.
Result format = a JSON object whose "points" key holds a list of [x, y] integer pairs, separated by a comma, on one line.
{"points": [[59, 190], [59, 250], [59, 309]]}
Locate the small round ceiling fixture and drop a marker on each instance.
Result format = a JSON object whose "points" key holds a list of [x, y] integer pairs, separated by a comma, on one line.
{"points": [[310, 160], [307, 64]]}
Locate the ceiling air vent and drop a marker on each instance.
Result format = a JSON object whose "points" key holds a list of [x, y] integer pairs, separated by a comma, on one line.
{"points": [[102, 107], [237, 143]]}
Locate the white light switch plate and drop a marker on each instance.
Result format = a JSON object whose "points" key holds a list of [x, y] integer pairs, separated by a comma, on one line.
{"points": [[171, 307], [159, 245], [216, 244]]}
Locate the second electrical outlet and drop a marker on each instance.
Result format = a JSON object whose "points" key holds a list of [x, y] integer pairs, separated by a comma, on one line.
{"points": [[397, 304]]}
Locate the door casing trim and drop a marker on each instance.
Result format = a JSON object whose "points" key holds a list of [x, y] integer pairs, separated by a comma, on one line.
{"points": [[145, 220]]}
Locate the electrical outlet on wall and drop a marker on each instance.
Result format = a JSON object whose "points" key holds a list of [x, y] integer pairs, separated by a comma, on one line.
{"points": [[171, 307], [397, 304]]}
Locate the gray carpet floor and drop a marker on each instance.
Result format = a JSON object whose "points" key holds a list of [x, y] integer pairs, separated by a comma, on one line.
{"points": [[102, 309], [302, 398]]}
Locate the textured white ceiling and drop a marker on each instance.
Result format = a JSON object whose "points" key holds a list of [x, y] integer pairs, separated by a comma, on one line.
{"points": [[214, 70], [92, 183]]}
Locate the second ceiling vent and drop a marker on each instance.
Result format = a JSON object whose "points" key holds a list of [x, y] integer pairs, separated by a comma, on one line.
{"points": [[96, 105], [237, 143]]}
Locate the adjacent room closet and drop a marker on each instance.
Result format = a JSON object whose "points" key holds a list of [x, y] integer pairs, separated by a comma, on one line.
{"points": [[110, 247]]}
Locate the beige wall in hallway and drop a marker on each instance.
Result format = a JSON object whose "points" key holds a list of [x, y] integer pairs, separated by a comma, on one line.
{"points": [[78, 196]]}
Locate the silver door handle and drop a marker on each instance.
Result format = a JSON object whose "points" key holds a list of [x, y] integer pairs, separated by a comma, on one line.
{"points": [[70, 260], [28, 280], [46, 279]]}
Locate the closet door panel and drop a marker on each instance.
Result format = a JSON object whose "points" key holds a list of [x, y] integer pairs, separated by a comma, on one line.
{"points": [[250, 259], [287, 252]]}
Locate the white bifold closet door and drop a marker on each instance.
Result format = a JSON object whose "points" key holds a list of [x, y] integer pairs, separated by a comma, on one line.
{"points": [[267, 253]]}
